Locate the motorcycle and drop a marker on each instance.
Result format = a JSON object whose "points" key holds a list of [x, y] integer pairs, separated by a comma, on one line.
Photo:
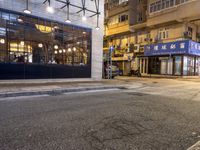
{"points": [[135, 73]]}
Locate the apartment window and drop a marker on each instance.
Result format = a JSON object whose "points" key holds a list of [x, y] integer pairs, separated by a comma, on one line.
{"points": [[115, 3], [123, 18], [163, 34], [164, 4], [140, 17]]}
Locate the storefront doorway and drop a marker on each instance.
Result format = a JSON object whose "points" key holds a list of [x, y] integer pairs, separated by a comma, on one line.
{"points": [[144, 65], [166, 66]]}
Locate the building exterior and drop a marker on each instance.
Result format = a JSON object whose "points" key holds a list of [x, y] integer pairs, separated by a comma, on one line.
{"points": [[162, 38], [40, 44], [174, 34], [120, 16], [117, 33]]}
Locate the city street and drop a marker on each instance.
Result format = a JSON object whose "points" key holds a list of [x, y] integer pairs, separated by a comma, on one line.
{"points": [[147, 114]]}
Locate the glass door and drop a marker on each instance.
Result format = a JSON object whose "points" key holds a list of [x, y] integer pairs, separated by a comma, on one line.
{"points": [[178, 65]]}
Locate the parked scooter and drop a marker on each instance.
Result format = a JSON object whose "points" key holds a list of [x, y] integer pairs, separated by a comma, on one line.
{"points": [[135, 73]]}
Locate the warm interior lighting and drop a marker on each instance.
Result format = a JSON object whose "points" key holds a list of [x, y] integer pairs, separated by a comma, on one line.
{"points": [[55, 46], [2, 41], [56, 52], [60, 51], [69, 50], [40, 45], [16, 47], [74, 49], [22, 43], [64, 50]]}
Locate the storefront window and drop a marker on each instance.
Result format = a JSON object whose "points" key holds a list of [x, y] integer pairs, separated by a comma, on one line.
{"points": [[25, 39], [188, 66], [197, 66]]}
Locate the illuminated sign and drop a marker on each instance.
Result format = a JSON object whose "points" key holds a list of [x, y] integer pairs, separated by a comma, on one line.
{"points": [[43, 29], [178, 47]]}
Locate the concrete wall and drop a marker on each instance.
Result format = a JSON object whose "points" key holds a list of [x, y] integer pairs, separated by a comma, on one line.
{"points": [[38, 9]]}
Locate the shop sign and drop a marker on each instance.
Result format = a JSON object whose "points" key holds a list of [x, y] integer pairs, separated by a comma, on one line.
{"points": [[178, 47], [194, 48]]}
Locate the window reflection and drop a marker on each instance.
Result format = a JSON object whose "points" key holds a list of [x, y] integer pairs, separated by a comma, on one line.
{"points": [[24, 39]]}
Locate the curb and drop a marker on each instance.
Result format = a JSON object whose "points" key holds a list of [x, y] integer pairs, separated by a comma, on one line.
{"points": [[56, 91]]}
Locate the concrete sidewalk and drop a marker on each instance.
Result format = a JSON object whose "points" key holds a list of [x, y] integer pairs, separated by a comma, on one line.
{"points": [[14, 88]]}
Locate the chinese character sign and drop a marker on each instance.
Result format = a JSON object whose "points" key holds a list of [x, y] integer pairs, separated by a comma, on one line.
{"points": [[178, 47], [194, 48]]}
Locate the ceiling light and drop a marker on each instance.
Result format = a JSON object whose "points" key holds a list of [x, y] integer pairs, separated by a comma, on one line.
{"points": [[50, 9], [56, 27], [40, 45], [27, 11], [2, 41], [56, 52], [19, 20], [84, 18], [60, 51], [97, 28], [68, 21], [64, 50], [74, 49], [69, 50], [55, 46]]}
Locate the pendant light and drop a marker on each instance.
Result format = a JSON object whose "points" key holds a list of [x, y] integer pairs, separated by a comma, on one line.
{"points": [[27, 11]]}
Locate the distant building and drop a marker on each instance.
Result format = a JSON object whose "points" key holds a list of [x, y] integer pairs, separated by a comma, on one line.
{"points": [[161, 35]]}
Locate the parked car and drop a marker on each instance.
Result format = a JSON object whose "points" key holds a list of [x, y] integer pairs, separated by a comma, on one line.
{"points": [[115, 71]]}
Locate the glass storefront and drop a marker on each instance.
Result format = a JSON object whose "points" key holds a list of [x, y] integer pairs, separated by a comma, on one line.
{"points": [[29, 41], [189, 66], [174, 65]]}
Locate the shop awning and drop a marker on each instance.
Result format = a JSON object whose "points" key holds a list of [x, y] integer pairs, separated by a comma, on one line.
{"points": [[179, 47]]}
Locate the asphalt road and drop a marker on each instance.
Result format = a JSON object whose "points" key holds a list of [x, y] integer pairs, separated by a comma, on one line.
{"points": [[109, 120]]}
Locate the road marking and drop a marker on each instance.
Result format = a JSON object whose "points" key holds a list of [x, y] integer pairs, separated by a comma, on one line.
{"points": [[196, 146]]}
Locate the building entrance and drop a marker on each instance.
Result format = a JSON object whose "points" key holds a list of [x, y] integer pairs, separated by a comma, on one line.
{"points": [[166, 66], [144, 65]]}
